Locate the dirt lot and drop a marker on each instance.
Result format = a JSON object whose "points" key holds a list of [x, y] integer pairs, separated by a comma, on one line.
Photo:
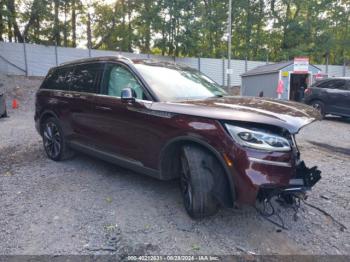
{"points": [[86, 206]]}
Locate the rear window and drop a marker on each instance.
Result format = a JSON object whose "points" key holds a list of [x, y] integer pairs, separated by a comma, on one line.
{"points": [[86, 78], [56, 79]]}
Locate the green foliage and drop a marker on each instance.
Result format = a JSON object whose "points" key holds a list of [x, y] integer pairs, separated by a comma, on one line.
{"points": [[261, 29]]}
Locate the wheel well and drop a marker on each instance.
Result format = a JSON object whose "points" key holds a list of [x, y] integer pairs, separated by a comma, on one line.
{"points": [[170, 168], [315, 99], [43, 118]]}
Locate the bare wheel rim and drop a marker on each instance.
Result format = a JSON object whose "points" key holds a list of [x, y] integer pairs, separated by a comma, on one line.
{"points": [[186, 187], [52, 140]]}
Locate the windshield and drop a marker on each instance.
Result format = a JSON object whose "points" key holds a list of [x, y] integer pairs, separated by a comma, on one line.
{"points": [[173, 84]]}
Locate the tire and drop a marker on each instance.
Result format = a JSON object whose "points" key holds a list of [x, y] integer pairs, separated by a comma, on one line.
{"points": [[197, 183], [319, 106], [54, 141], [4, 114]]}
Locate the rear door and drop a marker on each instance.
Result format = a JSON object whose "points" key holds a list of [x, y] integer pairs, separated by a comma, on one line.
{"points": [[85, 82], [53, 95]]}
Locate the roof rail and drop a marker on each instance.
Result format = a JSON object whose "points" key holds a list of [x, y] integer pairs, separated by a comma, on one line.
{"points": [[125, 58], [98, 58]]}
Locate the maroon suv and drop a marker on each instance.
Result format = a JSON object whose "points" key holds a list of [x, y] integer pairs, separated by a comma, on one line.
{"points": [[170, 121]]}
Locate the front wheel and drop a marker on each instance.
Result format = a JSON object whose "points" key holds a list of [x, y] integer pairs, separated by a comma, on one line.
{"points": [[54, 140], [319, 106], [197, 183]]}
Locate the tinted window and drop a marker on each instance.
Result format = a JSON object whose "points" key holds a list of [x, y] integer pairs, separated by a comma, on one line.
{"points": [[323, 84], [333, 84], [86, 78], [56, 79], [119, 77]]}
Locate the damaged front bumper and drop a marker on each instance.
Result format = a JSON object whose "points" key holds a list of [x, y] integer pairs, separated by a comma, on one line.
{"points": [[304, 180], [289, 196]]}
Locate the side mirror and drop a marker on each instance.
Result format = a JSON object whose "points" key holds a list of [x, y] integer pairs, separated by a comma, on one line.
{"points": [[127, 95]]}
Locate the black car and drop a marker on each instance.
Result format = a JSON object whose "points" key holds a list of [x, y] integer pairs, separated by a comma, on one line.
{"points": [[3, 112], [330, 96]]}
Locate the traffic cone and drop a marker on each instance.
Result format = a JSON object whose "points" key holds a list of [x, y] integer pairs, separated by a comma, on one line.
{"points": [[14, 104]]}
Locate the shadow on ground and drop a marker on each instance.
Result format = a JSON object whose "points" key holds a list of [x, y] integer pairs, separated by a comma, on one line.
{"points": [[338, 119], [330, 148]]}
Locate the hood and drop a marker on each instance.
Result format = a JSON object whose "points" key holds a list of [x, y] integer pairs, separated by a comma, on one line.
{"points": [[286, 114]]}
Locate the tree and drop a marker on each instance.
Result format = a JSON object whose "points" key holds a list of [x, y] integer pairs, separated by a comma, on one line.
{"points": [[278, 29]]}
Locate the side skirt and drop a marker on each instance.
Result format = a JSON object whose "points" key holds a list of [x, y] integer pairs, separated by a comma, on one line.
{"points": [[115, 159]]}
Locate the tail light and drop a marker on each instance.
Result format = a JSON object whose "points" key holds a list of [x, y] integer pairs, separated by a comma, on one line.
{"points": [[308, 91]]}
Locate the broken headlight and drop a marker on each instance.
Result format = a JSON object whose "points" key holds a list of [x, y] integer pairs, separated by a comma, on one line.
{"points": [[258, 139]]}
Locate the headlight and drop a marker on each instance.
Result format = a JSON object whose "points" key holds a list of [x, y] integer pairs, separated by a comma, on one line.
{"points": [[258, 139]]}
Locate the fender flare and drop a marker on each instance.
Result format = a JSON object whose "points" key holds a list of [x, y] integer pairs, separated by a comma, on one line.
{"points": [[211, 149]]}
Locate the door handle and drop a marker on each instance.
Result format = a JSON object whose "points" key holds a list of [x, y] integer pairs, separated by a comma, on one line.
{"points": [[68, 95], [104, 108]]}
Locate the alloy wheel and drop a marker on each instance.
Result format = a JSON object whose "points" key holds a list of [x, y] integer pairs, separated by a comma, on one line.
{"points": [[52, 140], [186, 187]]}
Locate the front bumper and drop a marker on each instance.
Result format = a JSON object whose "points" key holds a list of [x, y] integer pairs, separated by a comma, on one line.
{"points": [[257, 174], [304, 180]]}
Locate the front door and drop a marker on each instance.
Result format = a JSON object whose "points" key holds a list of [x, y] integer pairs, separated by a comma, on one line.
{"points": [[124, 129], [344, 99]]}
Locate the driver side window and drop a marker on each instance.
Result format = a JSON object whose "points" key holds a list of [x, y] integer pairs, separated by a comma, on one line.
{"points": [[118, 78]]}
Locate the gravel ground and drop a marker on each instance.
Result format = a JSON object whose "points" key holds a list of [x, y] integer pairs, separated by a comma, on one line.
{"points": [[87, 206]]}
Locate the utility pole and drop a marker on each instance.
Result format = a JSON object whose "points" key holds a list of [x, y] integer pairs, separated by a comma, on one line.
{"points": [[89, 44], [229, 39], [88, 26]]}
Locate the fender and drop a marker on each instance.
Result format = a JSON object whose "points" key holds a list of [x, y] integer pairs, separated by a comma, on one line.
{"points": [[48, 111], [211, 149]]}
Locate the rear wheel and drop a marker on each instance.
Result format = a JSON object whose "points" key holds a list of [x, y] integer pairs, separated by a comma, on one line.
{"points": [[197, 183], [5, 112], [319, 106], [54, 140]]}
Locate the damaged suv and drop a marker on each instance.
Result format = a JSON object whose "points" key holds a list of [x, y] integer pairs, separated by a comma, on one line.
{"points": [[173, 122]]}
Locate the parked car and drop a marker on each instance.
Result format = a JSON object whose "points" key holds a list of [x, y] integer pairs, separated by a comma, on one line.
{"points": [[330, 96], [173, 122], [3, 111]]}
